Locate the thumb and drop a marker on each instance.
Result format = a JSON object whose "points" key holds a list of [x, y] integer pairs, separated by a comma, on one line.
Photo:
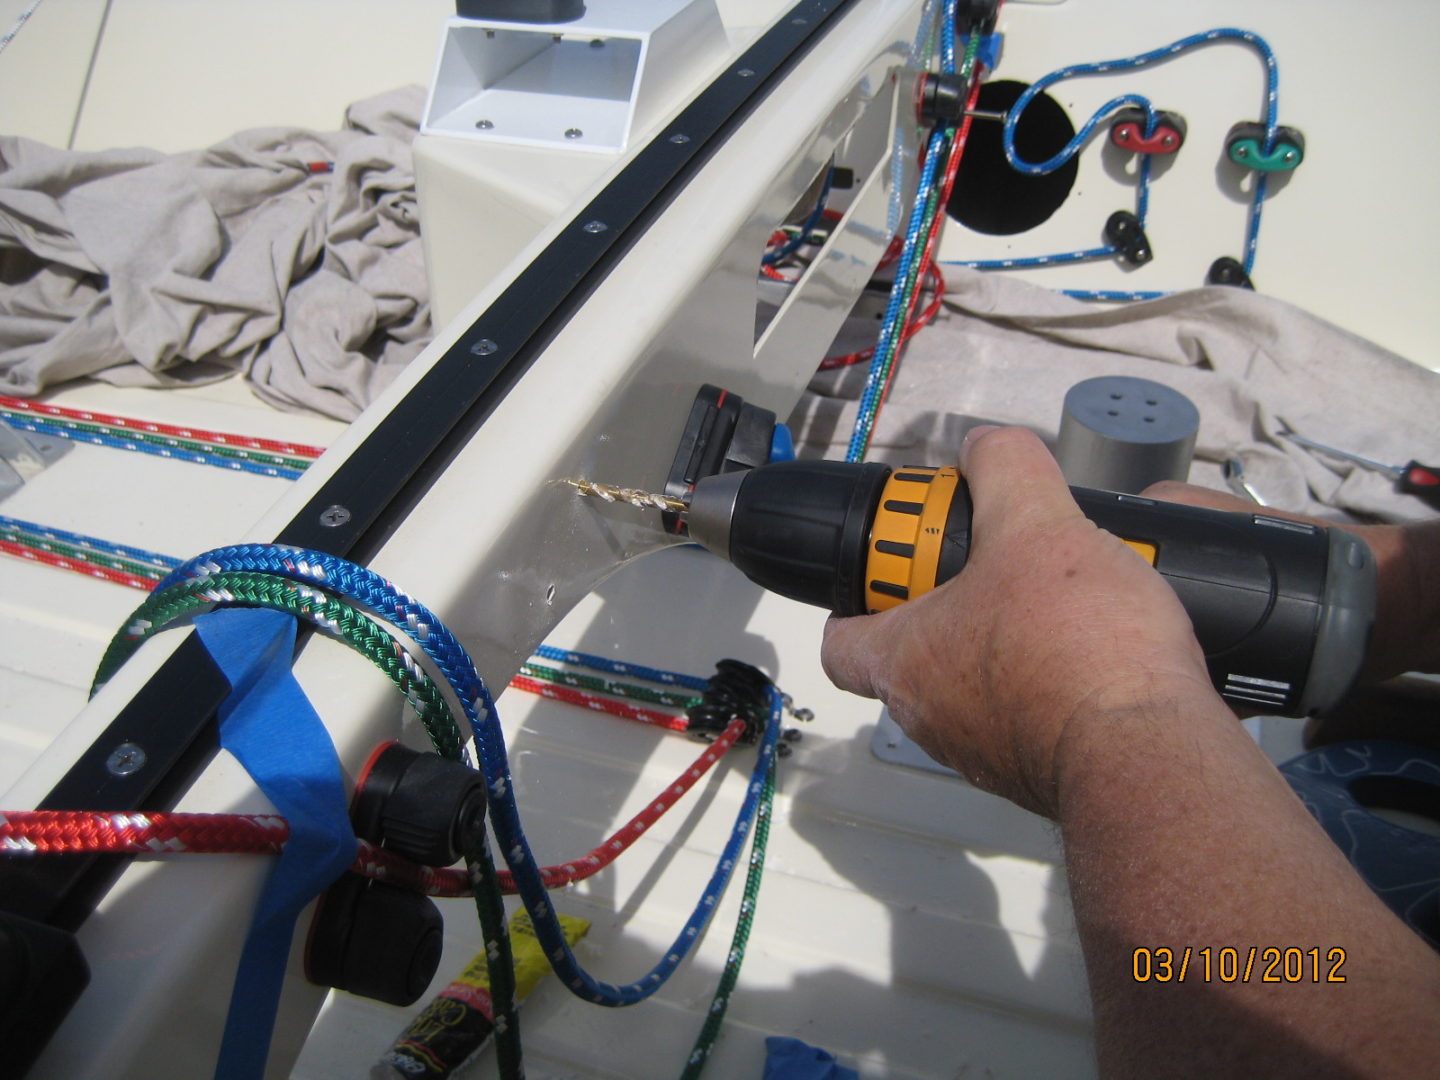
{"points": [[851, 653], [1013, 480]]}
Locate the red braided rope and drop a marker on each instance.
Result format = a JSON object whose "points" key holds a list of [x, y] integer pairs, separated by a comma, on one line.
{"points": [[571, 696], [49, 558], [41, 832], [952, 168], [627, 834], [222, 438], [36, 832], [913, 327]]}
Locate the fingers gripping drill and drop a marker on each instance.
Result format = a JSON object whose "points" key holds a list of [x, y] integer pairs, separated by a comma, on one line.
{"points": [[1282, 609]]}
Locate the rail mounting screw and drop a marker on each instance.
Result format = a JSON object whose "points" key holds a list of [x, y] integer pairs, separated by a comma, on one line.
{"points": [[484, 347], [126, 759], [594, 227], [332, 517]]}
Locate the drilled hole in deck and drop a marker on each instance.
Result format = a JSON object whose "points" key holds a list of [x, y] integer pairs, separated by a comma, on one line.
{"points": [[991, 197]]}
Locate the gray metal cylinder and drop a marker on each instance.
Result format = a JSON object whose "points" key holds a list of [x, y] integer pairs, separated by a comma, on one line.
{"points": [[1119, 433]]}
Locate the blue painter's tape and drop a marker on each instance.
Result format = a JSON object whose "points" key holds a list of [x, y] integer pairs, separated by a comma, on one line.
{"points": [[791, 1059], [271, 728]]}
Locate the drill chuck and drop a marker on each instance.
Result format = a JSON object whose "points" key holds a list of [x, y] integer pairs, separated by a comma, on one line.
{"points": [[1282, 609]]}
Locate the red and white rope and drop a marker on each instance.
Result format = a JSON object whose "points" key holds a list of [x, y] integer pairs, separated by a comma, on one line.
{"points": [[220, 438], [48, 832]]}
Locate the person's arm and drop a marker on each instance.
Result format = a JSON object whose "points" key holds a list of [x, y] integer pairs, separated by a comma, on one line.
{"points": [[1060, 671]]}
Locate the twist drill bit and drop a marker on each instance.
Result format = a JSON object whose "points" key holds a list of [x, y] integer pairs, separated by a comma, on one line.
{"points": [[644, 500]]}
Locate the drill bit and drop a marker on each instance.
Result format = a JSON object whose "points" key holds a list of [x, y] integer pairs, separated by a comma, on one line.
{"points": [[644, 500]]}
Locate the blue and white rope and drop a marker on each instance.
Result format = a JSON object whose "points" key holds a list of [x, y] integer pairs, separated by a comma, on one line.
{"points": [[1272, 94], [920, 57], [1142, 187], [890, 324], [90, 543], [365, 588], [792, 245], [906, 268], [39, 427], [619, 667], [16, 26]]}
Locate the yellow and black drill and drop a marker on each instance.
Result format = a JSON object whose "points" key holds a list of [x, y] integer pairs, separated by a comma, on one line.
{"points": [[1282, 609]]}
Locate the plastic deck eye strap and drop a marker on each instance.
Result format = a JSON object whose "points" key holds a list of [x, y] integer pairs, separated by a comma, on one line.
{"points": [[270, 726], [368, 589]]}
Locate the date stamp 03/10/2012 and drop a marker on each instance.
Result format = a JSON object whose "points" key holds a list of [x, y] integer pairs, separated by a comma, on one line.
{"points": [[1267, 964]]}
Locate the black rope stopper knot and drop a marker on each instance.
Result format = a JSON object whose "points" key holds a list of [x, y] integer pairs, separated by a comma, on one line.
{"points": [[736, 691]]}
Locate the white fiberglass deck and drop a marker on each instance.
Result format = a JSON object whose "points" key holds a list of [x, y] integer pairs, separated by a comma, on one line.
{"points": [[907, 923]]}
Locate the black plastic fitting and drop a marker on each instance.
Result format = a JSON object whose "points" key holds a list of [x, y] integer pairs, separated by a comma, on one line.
{"points": [[737, 690], [722, 434], [418, 805], [978, 15], [1228, 271], [375, 940], [1123, 231], [531, 11], [942, 99], [42, 974]]}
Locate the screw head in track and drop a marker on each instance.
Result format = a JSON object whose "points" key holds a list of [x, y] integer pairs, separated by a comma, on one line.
{"points": [[332, 517], [126, 759]]}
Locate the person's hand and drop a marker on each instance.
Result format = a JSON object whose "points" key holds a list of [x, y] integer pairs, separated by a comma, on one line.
{"points": [[1407, 609], [1055, 635]]}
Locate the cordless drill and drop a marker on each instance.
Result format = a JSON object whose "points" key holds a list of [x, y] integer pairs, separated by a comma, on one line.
{"points": [[1282, 609]]}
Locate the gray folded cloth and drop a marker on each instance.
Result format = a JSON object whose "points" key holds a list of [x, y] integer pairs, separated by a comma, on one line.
{"points": [[1006, 351], [142, 268]]}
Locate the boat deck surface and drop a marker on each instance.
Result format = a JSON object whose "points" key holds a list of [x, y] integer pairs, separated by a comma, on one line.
{"points": [[907, 922]]}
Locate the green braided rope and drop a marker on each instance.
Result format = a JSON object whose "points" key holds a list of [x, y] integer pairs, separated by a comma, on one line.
{"points": [[499, 958], [339, 619], [366, 636], [705, 1041], [609, 686], [261, 457], [144, 571]]}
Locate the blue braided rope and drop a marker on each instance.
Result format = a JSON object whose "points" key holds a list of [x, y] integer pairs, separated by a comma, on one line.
{"points": [[889, 326], [1087, 255], [1142, 187], [367, 589], [1252, 231], [1113, 294], [920, 58], [619, 667], [792, 245], [1012, 118], [90, 543], [947, 39], [936, 153], [39, 427]]}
